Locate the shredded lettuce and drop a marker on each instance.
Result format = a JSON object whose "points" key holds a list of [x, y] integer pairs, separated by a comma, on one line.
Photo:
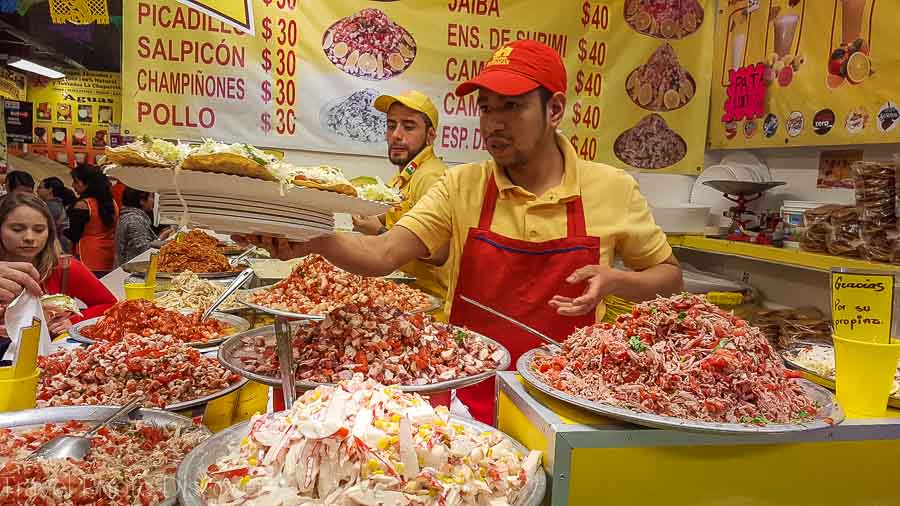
{"points": [[380, 192]]}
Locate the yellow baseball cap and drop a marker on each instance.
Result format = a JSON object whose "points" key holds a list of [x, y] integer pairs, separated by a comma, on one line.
{"points": [[415, 100]]}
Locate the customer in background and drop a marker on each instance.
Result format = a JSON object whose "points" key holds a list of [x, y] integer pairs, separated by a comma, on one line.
{"points": [[28, 236], [19, 181], [59, 199], [134, 232], [93, 218]]}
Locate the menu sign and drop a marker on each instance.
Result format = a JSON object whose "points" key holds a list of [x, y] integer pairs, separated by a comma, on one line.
{"points": [[17, 117], [307, 78], [75, 118], [830, 71]]}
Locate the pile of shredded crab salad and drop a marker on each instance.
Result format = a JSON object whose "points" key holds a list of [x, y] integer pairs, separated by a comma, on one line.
{"points": [[368, 444]]}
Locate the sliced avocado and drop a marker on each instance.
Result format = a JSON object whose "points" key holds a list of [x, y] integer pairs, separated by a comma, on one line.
{"points": [[363, 180]]}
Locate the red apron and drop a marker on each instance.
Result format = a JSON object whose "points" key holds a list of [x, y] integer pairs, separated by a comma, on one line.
{"points": [[518, 278]]}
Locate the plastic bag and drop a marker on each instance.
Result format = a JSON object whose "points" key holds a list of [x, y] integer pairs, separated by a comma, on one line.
{"points": [[876, 196], [818, 228], [845, 238]]}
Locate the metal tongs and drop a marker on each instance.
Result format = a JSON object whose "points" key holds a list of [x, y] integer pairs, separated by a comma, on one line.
{"points": [[78, 447], [240, 258], [233, 287], [547, 339]]}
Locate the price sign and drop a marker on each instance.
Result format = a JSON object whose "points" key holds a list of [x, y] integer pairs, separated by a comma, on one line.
{"points": [[746, 94], [862, 306]]}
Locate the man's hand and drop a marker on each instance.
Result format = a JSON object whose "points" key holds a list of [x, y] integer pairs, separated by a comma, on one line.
{"points": [[601, 281], [279, 248], [368, 225], [15, 277]]}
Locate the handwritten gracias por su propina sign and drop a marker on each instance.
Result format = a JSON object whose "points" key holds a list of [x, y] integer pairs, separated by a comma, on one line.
{"points": [[862, 306]]}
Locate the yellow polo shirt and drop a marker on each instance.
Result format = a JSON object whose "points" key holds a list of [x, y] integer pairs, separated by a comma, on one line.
{"points": [[614, 209], [414, 181]]}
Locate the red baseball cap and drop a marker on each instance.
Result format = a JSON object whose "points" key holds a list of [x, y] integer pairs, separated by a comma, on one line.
{"points": [[517, 68]]}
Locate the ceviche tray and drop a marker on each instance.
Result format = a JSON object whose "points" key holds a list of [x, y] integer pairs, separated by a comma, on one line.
{"points": [[163, 180], [237, 324], [139, 267], [208, 452], [826, 381], [35, 417], [829, 414], [229, 357], [244, 298]]}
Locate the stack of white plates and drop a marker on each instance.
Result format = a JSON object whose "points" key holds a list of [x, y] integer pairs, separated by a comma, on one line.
{"points": [[244, 216]]}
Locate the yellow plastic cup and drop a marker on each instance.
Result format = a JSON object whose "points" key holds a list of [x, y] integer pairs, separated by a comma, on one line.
{"points": [[135, 291], [253, 398], [864, 376], [20, 393], [218, 413]]}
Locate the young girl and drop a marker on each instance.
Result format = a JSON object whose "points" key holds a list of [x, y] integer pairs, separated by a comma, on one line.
{"points": [[27, 234]]}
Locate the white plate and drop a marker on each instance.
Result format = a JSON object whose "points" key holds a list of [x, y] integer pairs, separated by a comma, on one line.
{"points": [[240, 225], [289, 215], [209, 199], [162, 180], [703, 195], [262, 218]]}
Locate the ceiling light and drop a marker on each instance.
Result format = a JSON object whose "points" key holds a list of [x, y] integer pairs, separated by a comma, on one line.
{"points": [[37, 69]]}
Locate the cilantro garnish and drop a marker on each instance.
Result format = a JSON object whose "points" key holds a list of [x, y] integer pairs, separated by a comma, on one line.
{"points": [[722, 343], [636, 344], [461, 337], [681, 316], [756, 420]]}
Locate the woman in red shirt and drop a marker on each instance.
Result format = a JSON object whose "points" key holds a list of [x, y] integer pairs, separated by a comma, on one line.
{"points": [[28, 234]]}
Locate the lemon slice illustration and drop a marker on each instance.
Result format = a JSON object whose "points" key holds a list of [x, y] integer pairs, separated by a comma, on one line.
{"points": [[858, 68], [672, 99]]}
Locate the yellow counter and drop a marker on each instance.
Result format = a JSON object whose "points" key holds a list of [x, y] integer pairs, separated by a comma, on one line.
{"points": [[592, 460]]}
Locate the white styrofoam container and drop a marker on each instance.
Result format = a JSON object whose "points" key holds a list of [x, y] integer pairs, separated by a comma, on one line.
{"points": [[681, 219], [665, 190]]}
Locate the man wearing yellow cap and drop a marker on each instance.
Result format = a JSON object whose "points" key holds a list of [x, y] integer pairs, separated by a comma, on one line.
{"points": [[412, 121]]}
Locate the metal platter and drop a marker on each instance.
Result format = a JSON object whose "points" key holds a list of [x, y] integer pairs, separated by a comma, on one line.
{"points": [[788, 356], [829, 414], [34, 417], [195, 464], [139, 267], [236, 310], [400, 277], [244, 298], [228, 357], [237, 323]]}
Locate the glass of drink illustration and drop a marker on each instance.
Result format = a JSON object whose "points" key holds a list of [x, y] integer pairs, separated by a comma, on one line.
{"points": [[738, 45], [851, 19], [785, 28]]}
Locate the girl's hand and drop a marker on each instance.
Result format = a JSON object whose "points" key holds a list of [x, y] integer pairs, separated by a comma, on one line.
{"points": [[58, 319]]}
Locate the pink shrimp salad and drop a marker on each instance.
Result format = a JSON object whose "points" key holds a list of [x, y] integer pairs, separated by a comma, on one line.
{"points": [[365, 443], [681, 357], [385, 344]]}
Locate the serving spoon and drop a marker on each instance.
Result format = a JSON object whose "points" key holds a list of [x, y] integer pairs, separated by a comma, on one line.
{"points": [[547, 339], [78, 447]]}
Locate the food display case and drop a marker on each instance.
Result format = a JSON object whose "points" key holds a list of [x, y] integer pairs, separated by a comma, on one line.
{"points": [[595, 460]]}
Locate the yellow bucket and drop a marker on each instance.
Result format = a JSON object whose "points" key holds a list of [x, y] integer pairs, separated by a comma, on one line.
{"points": [[135, 291], [864, 376], [20, 393]]}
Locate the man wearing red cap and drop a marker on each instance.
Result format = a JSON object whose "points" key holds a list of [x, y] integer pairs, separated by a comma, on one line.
{"points": [[533, 232]]}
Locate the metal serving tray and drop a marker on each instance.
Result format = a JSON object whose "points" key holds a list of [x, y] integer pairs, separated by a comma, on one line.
{"points": [[228, 359], [195, 464], [35, 417], [244, 298], [240, 325], [829, 414]]}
